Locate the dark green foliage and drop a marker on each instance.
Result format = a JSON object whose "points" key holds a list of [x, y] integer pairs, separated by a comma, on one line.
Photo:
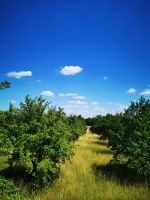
{"points": [[38, 138], [9, 191], [129, 135], [78, 126], [89, 121], [4, 84]]}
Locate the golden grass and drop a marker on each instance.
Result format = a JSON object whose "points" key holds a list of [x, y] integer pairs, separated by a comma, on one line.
{"points": [[78, 181]]}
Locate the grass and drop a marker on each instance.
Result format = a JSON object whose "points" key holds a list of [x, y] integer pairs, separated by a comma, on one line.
{"points": [[89, 176]]}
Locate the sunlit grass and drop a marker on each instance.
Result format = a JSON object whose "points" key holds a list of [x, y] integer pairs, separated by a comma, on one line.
{"points": [[80, 181]]}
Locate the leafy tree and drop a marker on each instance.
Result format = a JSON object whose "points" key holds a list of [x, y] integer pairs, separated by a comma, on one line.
{"points": [[78, 126], [40, 140], [4, 84]]}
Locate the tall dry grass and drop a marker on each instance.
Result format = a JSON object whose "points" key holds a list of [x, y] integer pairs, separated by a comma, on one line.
{"points": [[88, 176]]}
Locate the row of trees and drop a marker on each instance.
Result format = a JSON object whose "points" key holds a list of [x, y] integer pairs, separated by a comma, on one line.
{"points": [[37, 138], [128, 134]]}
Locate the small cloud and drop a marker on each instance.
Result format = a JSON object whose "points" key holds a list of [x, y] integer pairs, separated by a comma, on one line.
{"points": [[71, 70], [47, 93], [68, 94], [79, 97], [20, 74], [105, 77], [131, 91], [94, 103], [39, 81], [145, 92], [78, 102]]}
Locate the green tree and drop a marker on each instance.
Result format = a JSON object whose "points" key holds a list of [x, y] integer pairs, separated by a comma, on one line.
{"points": [[4, 84], [129, 135], [40, 138]]}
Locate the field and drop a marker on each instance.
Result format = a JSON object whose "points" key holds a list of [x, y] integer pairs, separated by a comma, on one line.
{"points": [[88, 176]]}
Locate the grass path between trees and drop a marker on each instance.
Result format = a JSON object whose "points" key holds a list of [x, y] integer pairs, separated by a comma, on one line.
{"points": [[88, 176]]}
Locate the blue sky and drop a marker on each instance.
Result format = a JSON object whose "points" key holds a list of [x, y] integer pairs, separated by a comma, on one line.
{"points": [[89, 57]]}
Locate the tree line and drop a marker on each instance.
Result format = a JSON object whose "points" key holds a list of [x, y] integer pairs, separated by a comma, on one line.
{"points": [[128, 135]]}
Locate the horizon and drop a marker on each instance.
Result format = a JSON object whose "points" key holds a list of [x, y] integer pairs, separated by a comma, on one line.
{"points": [[88, 57]]}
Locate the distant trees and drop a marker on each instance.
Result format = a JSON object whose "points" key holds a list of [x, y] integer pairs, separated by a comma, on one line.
{"points": [[129, 135], [38, 137]]}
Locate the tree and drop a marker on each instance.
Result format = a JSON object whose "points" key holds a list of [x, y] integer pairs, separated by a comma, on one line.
{"points": [[129, 135], [40, 138], [4, 84]]}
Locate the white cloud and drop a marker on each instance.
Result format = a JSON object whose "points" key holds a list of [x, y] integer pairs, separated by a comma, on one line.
{"points": [[105, 77], [79, 97], [68, 94], [131, 91], [71, 70], [47, 93], [145, 92], [20, 74], [78, 102], [94, 103]]}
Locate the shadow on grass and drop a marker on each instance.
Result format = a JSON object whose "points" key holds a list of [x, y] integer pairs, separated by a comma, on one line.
{"points": [[103, 143], [119, 172], [103, 151]]}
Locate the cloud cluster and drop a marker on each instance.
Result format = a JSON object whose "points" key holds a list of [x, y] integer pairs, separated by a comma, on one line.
{"points": [[47, 93], [20, 74], [71, 70], [86, 109]]}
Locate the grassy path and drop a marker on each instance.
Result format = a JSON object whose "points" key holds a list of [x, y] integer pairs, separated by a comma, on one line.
{"points": [[82, 178]]}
